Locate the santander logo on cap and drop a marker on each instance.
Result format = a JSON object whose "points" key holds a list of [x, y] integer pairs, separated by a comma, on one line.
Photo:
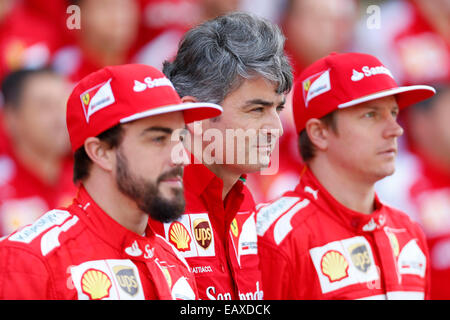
{"points": [[370, 71], [151, 83]]}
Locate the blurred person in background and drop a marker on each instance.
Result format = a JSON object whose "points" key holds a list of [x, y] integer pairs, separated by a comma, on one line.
{"points": [[164, 22], [30, 32], [107, 34], [313, 29], [35, 171], [413, 39]]}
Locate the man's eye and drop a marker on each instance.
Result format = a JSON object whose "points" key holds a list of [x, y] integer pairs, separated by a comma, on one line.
{"points": [[370, 114], [394, 113], [280, 108], [259, 109], [159, 139]]}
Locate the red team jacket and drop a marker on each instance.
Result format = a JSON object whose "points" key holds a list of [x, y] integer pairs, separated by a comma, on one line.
{"points": [[217, 238], [312, 247], [80, 252]]}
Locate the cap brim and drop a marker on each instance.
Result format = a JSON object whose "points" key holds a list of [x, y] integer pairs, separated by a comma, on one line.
{"points": [[193, 111], [405, 96]]}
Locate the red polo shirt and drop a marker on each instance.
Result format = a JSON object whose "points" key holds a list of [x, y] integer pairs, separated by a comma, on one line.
{"points": [[217, 238]]}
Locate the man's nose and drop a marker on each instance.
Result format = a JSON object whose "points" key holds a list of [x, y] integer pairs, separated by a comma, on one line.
{"points": [[393, 128], [178, 155]]}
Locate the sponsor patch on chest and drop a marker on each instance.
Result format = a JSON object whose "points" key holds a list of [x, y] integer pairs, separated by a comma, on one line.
{"points": [[107, 279], [345, 262], [192, 235]]}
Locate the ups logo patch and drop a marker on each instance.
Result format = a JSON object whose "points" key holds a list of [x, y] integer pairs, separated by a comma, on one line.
{"points": [[127, 279], [360, 257]]}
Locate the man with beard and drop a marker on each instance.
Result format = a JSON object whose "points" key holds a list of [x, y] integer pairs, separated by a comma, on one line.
{"points": [[122, 122]]}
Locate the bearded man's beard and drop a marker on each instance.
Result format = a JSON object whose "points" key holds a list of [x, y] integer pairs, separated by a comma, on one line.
{"points": [[146, 193]]}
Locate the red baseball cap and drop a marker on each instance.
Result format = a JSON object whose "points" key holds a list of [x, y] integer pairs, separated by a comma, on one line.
{"points": [[342, 80], [124, 93]]}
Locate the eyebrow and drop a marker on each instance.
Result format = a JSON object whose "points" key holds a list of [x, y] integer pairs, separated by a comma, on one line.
{"points": [[374, 107], [262, 102], [156, 128]]}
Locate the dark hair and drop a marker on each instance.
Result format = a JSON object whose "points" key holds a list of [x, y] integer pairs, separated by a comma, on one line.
{"points": [[306, 146], [82, 162], [215, 57], [13, 84]]}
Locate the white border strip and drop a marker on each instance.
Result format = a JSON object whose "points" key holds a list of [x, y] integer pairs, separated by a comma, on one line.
{"points": [[171, 108], [385, 93]]}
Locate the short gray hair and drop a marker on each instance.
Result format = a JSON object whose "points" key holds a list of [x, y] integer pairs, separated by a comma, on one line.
{"points": [[215, 57]]}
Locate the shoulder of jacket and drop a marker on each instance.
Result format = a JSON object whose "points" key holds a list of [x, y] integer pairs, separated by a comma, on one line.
{"points": [[42, 236], [274, 220], [402, 219]]}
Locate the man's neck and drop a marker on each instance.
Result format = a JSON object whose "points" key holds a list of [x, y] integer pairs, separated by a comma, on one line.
{"points": [[114, 203], [357, 195], [228, 177]]}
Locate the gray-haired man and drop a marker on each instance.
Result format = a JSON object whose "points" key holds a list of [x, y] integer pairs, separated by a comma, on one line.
{"points": [[237, 61]]}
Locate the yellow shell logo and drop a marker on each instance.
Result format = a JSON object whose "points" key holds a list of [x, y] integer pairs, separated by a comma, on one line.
{"points": [[96, 284], [179, 236], [234, 227], [334, 266], [86, 98]]}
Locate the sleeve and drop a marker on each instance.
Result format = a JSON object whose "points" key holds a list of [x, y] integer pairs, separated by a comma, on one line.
{"points": [[276, 272], [23, 276]]}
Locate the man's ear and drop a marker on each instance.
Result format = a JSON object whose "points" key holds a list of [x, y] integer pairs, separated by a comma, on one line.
{"points": [[100, 153], [318, 132], [187, 99]]}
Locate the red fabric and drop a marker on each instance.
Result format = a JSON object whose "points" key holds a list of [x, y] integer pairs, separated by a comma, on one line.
{"points": [[217, 238], [80, 252], [312, 247]]}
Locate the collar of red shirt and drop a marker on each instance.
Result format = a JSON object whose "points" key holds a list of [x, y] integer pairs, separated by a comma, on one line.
{"points": [[197, 178], [110, 231], [311, 188], [207, 187]]}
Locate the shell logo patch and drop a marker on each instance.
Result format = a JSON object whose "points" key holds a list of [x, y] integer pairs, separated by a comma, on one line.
{"points": [[360, 256], [179, 236], [334, 266], [202, 232], [96, 284]]}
